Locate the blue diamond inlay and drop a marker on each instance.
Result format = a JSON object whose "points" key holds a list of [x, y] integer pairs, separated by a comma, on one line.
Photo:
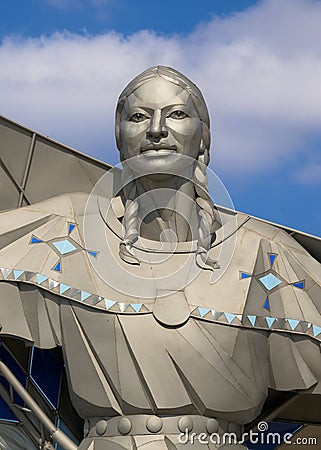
{"points": [[64, 246], [92, 253], [270, 281], [35, 240], [245, 275], [272, 257], [267, 304], [57, 267], [299, 284], [71, 227]]}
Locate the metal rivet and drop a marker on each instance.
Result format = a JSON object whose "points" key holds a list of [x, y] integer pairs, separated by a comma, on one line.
{"points": [[101, 427], [212, 426], [154, 424], [185, 423], [124, 425]]}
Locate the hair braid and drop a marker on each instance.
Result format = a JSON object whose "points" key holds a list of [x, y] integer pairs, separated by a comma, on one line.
{"points": [[208, 221], [130, 220]]}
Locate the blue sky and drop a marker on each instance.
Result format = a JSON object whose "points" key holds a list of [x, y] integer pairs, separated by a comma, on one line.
{"points": [[64, 62]]}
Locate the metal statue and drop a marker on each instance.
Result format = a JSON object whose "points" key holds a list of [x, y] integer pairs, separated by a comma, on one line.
{"points": [[177, 318]]}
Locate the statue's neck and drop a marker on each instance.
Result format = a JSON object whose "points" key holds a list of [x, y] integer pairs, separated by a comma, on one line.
{"points": [[166, 204]]}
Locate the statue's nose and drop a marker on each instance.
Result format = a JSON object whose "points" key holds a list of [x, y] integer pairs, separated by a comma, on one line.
{"points": [[157, 128]]}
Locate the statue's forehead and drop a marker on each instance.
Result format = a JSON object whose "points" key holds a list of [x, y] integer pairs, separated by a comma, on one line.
{"points": [[158, 93]]}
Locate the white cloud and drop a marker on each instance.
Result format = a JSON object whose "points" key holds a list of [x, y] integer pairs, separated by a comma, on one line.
{"points": [[310, 174], [260, 72]]}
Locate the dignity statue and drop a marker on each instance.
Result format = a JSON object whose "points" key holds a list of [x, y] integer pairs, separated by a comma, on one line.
{"points": [[177, 318]]}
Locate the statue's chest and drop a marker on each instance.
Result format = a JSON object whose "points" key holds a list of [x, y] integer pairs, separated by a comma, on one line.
{"points": [[133, 360]]}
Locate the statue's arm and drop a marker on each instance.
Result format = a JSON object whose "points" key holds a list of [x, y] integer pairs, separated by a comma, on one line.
{"points": [[29, 313]]}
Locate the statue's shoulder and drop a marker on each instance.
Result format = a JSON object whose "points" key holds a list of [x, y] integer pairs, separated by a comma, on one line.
{"points": [[272, 280], [276, 238], [44, 238], [68, 204], [45, 245]]}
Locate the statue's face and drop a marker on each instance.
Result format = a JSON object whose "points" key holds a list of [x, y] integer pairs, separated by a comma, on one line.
{"points": [[159, 122]]}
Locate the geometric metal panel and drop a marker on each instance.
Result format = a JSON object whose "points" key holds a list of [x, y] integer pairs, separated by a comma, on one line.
{"points": [[30, 165]]}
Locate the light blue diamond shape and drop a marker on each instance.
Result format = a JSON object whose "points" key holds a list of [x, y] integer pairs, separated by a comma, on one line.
{"points": [[316, 330], [203, 311], [252, 319], [63, 288], [230, 317], [84, 295], [270, 281], [136, 306], [109, 303], [270, 321], [41, 278], [17, 273], [64, 246], [293, 323]]}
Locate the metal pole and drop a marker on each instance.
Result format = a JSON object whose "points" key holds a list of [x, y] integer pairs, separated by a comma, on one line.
{"points": [[27, 169], [58, 436], [30, 429]]}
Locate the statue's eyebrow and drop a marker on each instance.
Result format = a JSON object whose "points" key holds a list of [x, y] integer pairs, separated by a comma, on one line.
{"points": [[166, 107], [145, 108]]}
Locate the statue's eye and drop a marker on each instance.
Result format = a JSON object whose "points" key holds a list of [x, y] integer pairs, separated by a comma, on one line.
{"points": [[138, 117], [178, 114]]}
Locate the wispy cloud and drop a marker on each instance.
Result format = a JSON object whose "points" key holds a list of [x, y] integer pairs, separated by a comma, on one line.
{"points": [[260, 72], [65, 4], [68, 5], [309, 173]]}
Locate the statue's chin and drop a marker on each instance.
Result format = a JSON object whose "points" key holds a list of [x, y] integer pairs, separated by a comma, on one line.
{"points": [[160, 164]]}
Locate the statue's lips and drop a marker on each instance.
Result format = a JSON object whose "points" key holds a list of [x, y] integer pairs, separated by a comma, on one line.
{"points": [[158, 150]]}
